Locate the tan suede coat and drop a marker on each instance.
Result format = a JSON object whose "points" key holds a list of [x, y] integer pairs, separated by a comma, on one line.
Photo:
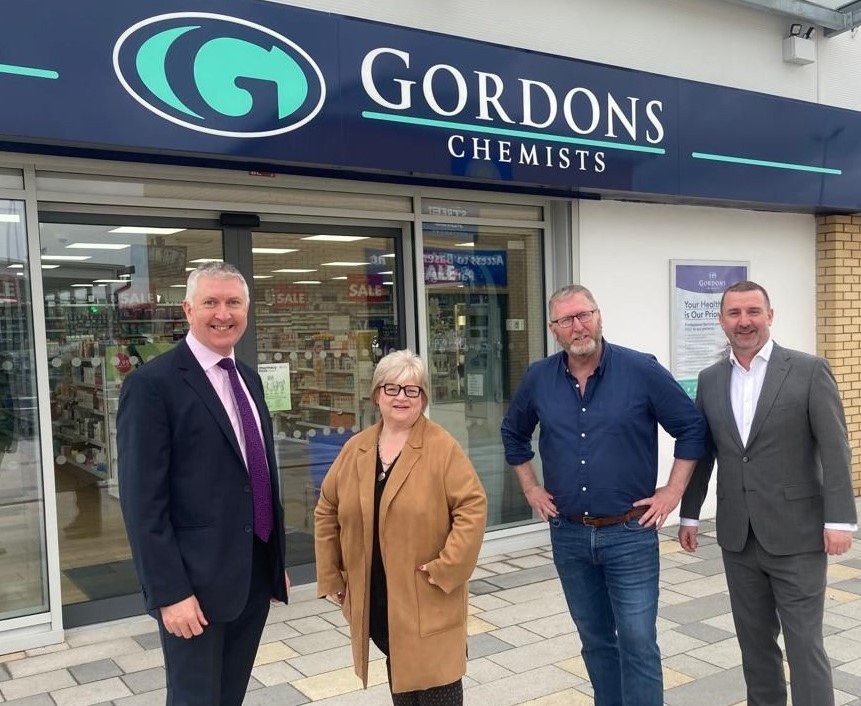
{"points": [[433, 511]]}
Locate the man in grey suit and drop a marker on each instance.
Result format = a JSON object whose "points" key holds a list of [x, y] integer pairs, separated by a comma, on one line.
{"points": [[784, 497]]}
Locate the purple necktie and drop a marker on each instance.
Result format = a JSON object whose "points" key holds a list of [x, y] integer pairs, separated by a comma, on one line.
{"points": [[258, 469]]}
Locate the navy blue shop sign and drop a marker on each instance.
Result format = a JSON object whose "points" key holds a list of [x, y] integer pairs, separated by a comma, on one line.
{"points": [[264, 83]]}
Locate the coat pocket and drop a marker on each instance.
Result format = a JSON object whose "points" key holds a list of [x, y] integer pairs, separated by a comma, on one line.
{"points": [[802, 490], [438, 610]]}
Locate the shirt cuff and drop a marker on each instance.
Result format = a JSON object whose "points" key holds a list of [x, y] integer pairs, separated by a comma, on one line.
{"points": [[843, 526], [688, 522]]}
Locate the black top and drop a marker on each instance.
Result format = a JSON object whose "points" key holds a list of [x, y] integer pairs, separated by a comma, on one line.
{"points": [[379, 617]]}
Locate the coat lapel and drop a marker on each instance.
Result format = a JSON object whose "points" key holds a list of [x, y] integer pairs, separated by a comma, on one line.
{"points": [[724, 384], [410, 455], [775, 374], [196, 379]]}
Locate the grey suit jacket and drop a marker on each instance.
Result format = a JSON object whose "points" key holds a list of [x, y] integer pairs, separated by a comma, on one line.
{"points": [[794, 474]]}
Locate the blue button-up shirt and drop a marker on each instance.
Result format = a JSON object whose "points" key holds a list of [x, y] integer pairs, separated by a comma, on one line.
{"points": [[599, 451]]}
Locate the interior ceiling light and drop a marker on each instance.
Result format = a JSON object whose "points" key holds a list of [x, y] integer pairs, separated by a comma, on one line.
{"points": [[103, 281], [142, 230], [336, 238], [207, 259], [387, 272], [67, 258], [50, 267], [341, 277], [97, 246], [294, 270], [273, 251], [173, 286], [10, 218], [262, 276], [464, 245], [15, 267], [344, 263], [81, 285], [308, 281]]}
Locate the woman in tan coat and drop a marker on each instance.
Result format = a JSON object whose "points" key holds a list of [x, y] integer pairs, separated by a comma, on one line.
{"points": [[398, 529]]}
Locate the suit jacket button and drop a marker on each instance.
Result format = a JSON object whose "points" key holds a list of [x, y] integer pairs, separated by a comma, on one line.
{"points": [[247, 528], [246, 489], [745, 459]]}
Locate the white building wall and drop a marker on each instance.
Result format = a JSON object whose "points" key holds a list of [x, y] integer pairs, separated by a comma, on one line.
{"points": [[624, 258], [703, 40]]}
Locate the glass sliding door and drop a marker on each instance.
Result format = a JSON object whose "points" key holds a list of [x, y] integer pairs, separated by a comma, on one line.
{"points": [[23, 565], [326, 304], [113, 301], [485, 323]]}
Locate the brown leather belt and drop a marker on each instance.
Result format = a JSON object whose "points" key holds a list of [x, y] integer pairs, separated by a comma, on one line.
{"points": [[590, 521]]}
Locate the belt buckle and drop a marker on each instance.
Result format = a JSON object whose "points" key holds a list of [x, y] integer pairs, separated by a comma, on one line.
{"points": [[591, 521]]}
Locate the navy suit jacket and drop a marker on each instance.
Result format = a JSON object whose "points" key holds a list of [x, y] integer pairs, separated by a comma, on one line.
{"points": [[184, 487]]}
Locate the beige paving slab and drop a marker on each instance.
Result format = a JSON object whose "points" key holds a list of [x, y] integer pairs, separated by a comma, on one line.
{"points": [[140, 661], [92, 693], [487, 602], [476, 626], [101, 633], [482, 670], [36, 684], [835, 594], [75, 655], [275, 673], [567, 697], [705, 586], [48, 649], [521, 688], [530, 561], [517, 635], [724, 654], [500, 567], [841, 572], [273, 652], [537, 655], [340, 681], [673, 678]]}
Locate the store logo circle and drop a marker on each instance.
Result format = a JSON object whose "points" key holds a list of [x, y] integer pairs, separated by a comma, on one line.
{"points": [[219, 75]]}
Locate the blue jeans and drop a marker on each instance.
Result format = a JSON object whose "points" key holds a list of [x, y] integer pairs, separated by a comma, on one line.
{"points": [[610, 579]]}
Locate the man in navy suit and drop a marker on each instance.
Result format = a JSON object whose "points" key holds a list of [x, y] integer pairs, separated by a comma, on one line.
{"points": [[207, 542]]}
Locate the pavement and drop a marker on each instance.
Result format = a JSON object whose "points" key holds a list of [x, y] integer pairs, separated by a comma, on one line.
{"points": [[523, 648]]}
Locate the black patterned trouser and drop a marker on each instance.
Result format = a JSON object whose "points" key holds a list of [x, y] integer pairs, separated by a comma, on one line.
{"points": [[447, 695]]}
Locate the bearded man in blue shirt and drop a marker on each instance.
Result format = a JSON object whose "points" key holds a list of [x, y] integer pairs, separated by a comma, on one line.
{"points": [[599, 407]]}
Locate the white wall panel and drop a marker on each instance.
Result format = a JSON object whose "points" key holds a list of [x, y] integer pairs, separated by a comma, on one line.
{"points": [[840, 70], [626, 248]]}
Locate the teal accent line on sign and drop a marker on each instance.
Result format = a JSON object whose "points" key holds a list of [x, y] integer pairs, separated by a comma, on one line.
{"points": [[28, 71], [765, 163], [466, 127]]}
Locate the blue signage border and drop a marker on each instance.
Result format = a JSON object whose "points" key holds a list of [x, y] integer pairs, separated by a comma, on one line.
{"points": [[252, 82]]}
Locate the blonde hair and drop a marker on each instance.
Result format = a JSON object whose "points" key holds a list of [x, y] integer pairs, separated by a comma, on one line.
{"points": [[401, 367]]}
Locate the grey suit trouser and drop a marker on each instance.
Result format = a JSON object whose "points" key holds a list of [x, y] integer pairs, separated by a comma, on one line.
{"points": [[768, 592]]}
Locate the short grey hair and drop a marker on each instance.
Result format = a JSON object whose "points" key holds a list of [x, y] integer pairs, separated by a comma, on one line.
{"points": [[216, 270], [401, 367], [567, 292]]}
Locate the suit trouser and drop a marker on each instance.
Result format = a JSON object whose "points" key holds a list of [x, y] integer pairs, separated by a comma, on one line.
{"points": [[213, 668], [768, 592]]}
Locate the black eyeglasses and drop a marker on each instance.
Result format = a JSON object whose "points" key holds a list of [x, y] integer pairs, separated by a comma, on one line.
{"points": [[584, 317], [393, 390]]}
